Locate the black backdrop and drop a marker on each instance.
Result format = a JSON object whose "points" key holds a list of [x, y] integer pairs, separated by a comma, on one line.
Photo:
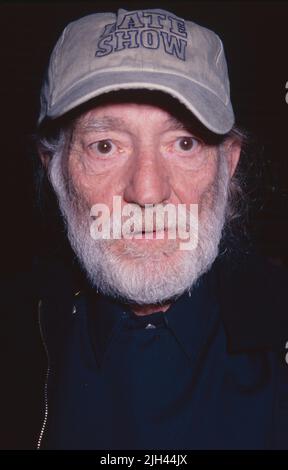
{"points": [[255, 40]]}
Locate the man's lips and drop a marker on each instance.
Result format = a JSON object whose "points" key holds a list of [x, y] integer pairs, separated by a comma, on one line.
{"points": [[148, 236]]}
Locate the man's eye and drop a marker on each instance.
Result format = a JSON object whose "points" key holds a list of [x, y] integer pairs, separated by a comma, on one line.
{"points": [[186, 144], [103, 147]]}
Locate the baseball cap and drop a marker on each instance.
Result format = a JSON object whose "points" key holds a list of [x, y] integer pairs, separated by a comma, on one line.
{"points": [[141, 49]]}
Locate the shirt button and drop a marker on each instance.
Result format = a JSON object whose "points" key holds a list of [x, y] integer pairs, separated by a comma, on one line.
{"points": [[149, 326]]}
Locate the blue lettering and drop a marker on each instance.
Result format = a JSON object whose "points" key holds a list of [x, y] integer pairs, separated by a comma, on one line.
{"points": [[109, 28], [150, 39], [177, 26], [154, 19], [131, 20], [126, 39], [104, 47], [174, 46]]}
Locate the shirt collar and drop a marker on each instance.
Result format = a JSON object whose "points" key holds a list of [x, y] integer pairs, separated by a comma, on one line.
{"points": [[189, 318]]}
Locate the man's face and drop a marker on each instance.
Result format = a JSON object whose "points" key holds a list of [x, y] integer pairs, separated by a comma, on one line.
{"points": [[145, 155], [141, 153]]}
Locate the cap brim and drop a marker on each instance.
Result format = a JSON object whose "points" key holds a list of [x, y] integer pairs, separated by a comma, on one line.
{"points": [[211, 111]]}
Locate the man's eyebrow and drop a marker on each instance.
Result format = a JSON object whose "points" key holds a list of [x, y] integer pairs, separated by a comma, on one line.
{"points": [[105, 123], [174, 124]]}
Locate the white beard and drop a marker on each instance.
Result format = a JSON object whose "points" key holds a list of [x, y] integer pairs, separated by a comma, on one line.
{"points": [[142, 274]]}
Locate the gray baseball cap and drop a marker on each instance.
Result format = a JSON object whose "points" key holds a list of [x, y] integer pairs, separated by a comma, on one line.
{"points": [[142, 49]]}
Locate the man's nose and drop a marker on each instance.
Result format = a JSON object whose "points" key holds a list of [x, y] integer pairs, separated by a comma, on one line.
{"points": [[147, 180]]}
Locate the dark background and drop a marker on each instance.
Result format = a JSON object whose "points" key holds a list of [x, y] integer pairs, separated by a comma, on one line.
{"points": [[256, 44]]}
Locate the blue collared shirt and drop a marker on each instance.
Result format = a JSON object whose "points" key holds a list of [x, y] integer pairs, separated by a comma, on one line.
{"points": [[162, 381]]}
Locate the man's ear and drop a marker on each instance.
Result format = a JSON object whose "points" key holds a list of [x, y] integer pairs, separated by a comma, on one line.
{"points": [[233, 150]]}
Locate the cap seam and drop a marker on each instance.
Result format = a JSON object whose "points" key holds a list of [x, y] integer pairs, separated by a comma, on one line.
{"points": [[57, 59], [219, 50]]}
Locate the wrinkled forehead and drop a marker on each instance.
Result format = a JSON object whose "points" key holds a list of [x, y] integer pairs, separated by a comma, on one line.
{"points": [[130, 115], [105, 111]]}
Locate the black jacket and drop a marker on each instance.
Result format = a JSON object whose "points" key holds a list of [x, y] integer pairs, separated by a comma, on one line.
{"points": [[253, 300]]}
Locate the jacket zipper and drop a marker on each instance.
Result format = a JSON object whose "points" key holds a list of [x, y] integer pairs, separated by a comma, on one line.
{"points": [[46, 381]]}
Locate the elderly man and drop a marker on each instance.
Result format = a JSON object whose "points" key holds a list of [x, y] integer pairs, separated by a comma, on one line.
{"points": [[171, 340]]}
